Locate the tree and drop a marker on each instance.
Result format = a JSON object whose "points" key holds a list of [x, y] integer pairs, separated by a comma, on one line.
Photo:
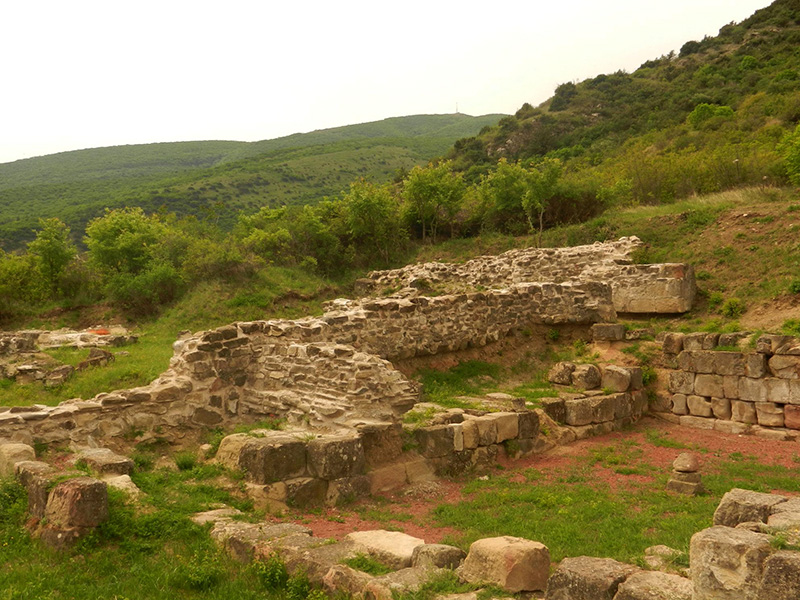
{"points": [[123, 240], [541, 186], [52, 251], [373, 219], [433, 197]]}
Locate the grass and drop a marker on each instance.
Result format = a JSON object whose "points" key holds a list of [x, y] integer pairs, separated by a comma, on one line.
{"points": [[468, 378], [577, 514], [367, 564]]}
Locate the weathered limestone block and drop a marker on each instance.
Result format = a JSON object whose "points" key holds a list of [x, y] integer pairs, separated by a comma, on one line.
{"points": [[528, 424], [743, 412], [586, 377], [696, 361], [697, 422], [435, 441], [769, 414], [487, 430], [507, 426], [755, 365], [694, 341], [742, 506], [616, 379], [785, 366], [731, 427], [11, 454], [778, 390], [35, 477], [470, 435], [578, 411], [673, 343], [769, 344], [699, 406], [305, 492], [382, 442], [791, 416], [267, 459], [515, 564], [654, 585], [605, 407], [106, 462], [334, 457], [730, 363], [730, 386], [727, 564], [681, 382], [392, 548], [611, 332], [561, 373], [708, 385], [587, 578], [680, 404], [555, 408], [347, 489], [438, 556], [81, 502], [781, 578], [721, 407]]}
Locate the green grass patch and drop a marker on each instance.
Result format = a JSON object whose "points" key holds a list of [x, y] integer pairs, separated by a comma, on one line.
{"points": [[367, 564], [465, 379]]}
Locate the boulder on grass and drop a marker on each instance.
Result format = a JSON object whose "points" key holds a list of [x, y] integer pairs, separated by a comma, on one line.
{"points": [[654, 585], [392, 548], [515, 564], [743, 506]]}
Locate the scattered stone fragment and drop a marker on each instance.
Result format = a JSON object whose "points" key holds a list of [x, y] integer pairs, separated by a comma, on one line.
{"points": [[392, 548]]}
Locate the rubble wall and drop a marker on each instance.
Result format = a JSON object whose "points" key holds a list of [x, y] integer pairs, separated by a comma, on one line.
{"points": [[661, 288], [322, 371], [748, 390]]}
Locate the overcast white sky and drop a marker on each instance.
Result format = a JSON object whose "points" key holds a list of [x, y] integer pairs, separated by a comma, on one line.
{"points": [[82, 74]]}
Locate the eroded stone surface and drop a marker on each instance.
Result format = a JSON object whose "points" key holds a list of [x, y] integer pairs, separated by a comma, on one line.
{"points": [[515, 564]]}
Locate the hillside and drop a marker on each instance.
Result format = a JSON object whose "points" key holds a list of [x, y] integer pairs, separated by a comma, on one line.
{"points": [[218, 178], [705, 119]]}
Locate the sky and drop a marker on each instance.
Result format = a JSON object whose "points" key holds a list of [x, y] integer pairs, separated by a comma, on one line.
{"points": [[86, 74]]}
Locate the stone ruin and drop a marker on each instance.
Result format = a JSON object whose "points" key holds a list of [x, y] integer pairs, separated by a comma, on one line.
{"points": [[332, 379], [22, 359]]}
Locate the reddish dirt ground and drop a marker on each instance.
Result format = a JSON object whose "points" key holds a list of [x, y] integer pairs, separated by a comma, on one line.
{"points": [[411, 510]]}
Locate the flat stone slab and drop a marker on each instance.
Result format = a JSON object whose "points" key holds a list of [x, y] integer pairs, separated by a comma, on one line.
{"points": [[392, 548], [106, 462]]}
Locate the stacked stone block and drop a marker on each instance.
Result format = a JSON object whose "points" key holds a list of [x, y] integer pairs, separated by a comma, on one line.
{"points": [[735, 391]]}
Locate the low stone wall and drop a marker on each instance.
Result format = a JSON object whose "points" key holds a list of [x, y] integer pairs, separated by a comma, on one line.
{"points": [[284, 467], [735, 390], [659, 288]]}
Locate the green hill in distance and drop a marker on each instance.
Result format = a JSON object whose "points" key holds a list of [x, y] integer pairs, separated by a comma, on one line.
{"points": [[218, 179]]}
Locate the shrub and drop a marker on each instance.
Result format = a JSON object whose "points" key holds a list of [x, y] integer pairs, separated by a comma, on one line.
{"points": [[271, 572], [794, 287], [185, 461], [733, 307]]}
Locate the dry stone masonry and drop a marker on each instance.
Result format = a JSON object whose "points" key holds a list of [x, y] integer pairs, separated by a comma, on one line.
{"points": [[663, 288], [735, 383]]}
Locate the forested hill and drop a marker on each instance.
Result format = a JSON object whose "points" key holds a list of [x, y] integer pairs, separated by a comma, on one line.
{"points": [[217, 179], [704, 119]]}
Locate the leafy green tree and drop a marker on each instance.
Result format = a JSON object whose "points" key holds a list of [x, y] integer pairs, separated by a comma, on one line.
{"points": [[433, 197], [373, 220], [501, 192], [52, 251], [123, 240], [542, 181]]}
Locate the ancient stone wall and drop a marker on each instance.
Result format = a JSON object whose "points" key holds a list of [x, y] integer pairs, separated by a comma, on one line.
{"points": [[735, 390], [660, 288]]}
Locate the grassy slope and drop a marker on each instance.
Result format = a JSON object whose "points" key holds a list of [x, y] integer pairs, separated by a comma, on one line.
{"points": [[217, 179]]}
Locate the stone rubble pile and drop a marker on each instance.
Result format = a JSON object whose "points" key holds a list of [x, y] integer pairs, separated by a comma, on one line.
{"points": [[664, 288], [686, 477]]}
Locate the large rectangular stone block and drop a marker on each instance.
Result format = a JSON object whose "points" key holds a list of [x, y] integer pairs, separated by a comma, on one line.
{"points": [[769, 414], [579, 411], [708, 385], [435, 441], [507, 426], [730, 363], [727, 564], [274, 458], [730, 387], [785, 366], [699, 406], [752, 390], [681, 382], [743, 412], [335, 457]]}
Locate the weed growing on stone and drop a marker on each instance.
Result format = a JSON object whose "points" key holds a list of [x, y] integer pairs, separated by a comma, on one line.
{"points": [[367, 564]]}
